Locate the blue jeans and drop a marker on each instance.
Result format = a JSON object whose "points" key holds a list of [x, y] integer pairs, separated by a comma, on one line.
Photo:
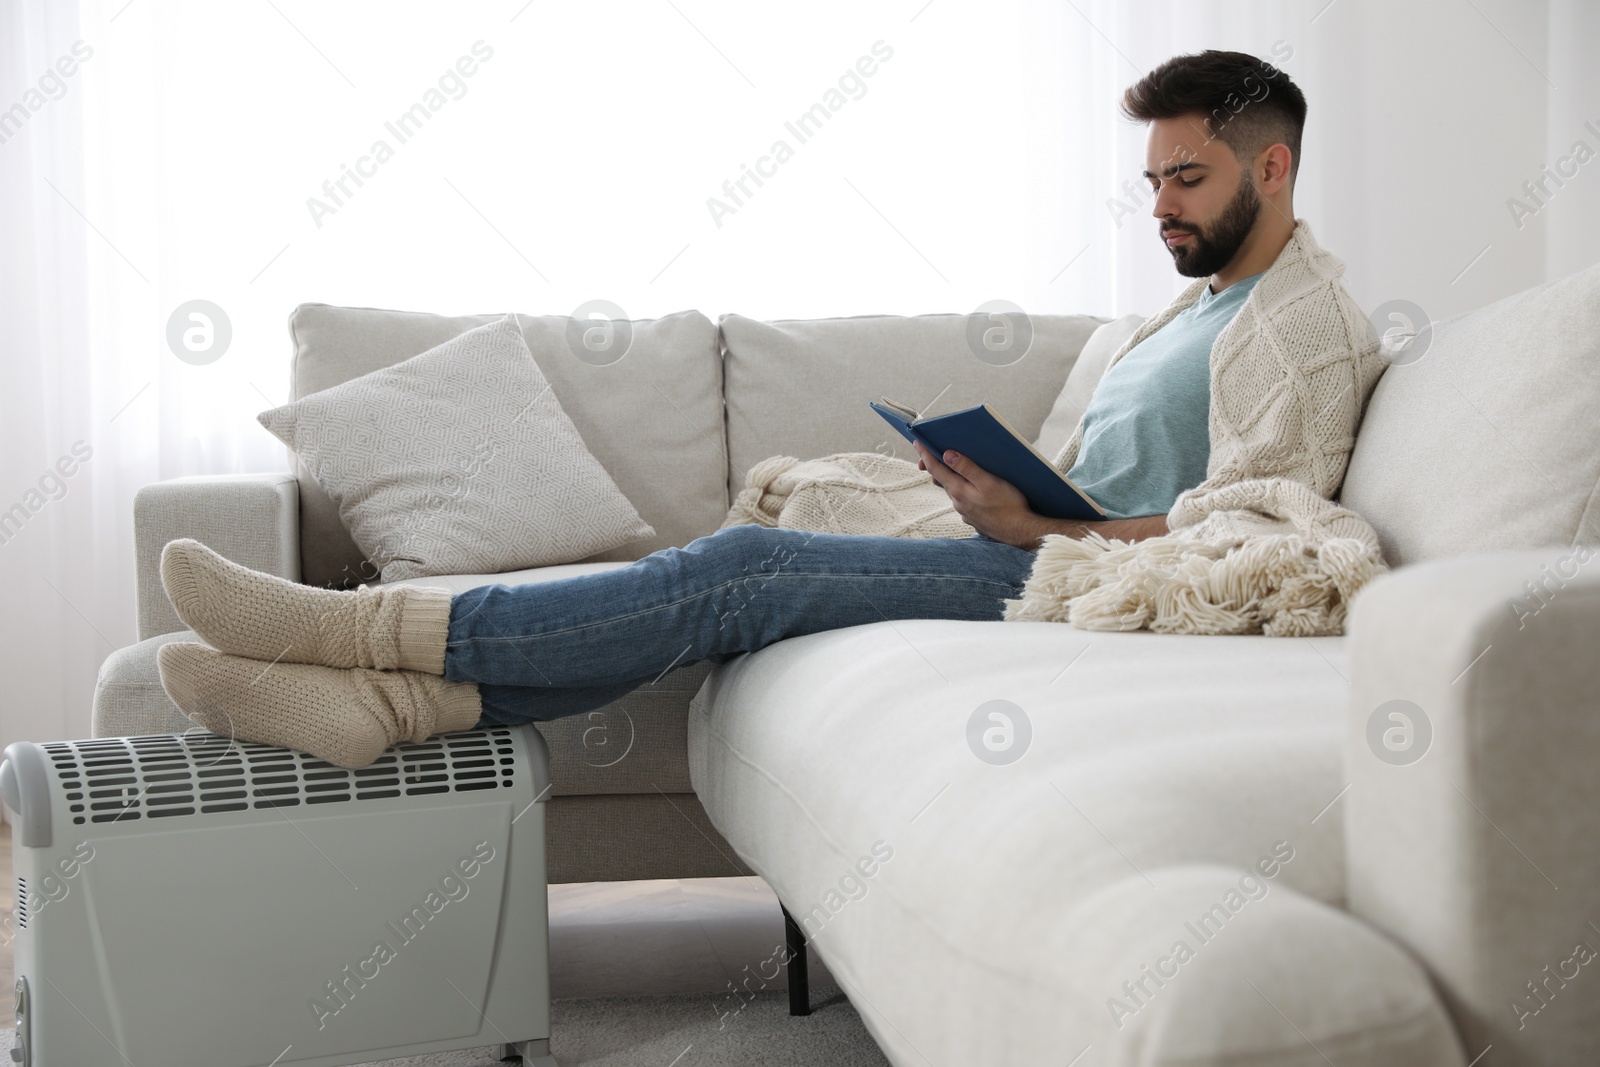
{"points": [[564, 647]]}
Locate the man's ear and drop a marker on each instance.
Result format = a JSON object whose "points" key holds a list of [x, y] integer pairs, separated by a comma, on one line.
{"points": [[1272, 168]]}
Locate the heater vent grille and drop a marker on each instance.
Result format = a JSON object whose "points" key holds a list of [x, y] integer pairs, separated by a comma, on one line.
{"points": [[22, 903], [159, 776]]}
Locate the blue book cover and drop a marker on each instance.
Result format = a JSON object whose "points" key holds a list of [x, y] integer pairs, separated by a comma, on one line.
{"points": [[980, 434]]}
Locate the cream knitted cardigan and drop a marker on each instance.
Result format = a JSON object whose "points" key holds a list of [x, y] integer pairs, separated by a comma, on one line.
{"points": [[1257, 547]]}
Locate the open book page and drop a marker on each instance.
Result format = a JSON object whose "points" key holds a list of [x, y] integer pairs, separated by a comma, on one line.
{"points": [[908, 413]]}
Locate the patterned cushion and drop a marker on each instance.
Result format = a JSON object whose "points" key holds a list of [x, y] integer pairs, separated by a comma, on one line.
{"points": [[458, 460]]}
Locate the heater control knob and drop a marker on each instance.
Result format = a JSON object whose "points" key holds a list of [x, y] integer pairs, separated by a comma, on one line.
{"points": [[22, 1039]]}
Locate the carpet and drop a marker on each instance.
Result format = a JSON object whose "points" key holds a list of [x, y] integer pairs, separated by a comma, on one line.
{"points": [[681, 1031]]}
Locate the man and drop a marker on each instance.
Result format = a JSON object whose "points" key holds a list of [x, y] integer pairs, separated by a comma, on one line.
{"points": [[1224, 182], [343, 675]]}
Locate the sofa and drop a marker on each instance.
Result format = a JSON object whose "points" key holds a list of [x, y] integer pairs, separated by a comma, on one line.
{"points": [[1024, 843], [677, 419]]}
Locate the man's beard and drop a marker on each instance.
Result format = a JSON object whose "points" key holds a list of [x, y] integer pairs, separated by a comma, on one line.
{"points": [[1213, 247]]}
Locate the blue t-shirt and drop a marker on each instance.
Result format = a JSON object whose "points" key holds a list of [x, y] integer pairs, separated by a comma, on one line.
{"points": [[1145, 432]]}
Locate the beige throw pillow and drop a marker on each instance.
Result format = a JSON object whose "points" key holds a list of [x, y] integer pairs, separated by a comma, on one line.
{"points": [[458, 461]]}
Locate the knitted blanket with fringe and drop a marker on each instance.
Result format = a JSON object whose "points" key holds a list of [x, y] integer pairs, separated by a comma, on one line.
{"points": [[1259, 546]]}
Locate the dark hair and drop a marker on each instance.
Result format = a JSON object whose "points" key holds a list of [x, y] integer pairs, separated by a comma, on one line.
{"points": [[1247, 102]]}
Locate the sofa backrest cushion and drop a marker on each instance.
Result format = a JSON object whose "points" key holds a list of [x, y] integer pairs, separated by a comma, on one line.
{"points": [[800, 387], [652, 417], [1489, 439]]}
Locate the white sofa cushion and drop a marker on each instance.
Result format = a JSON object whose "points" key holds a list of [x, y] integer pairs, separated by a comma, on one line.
{"points": [[458, 459], [800, 387], [1147, 750], [1487, 440]]}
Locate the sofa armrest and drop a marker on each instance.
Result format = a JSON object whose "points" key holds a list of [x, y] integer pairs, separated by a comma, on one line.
{"points": [[1474, 809], [253, 519]]}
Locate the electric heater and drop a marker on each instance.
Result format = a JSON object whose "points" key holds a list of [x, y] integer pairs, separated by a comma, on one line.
{"points": [[192, 901]]}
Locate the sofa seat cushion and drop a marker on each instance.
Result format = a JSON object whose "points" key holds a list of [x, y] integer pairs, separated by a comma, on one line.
{"points": [[843, 768], [1272, 978]]}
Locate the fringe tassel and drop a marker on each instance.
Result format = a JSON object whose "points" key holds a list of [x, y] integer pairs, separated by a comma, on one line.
{"points": [[1281, 585]]}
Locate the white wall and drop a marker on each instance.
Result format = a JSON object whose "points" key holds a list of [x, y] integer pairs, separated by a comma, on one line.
{"points": [[1424, 117], [1571, 221]]}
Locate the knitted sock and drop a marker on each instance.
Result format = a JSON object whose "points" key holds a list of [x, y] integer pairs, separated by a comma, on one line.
{"points": [[261, 616], [347, 717]]}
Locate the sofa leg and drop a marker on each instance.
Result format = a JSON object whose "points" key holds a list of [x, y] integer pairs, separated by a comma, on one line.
{"points": [[799, 983]]}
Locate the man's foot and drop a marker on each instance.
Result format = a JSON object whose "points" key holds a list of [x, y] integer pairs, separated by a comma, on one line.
{"points": [[261, 616], [346, 717]]}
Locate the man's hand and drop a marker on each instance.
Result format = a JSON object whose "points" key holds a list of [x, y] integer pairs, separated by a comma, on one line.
{"points": [[996, 508], [986, 502]]}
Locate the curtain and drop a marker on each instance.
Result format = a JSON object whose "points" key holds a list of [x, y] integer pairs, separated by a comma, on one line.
{"points": [[163, 160], [64, 529]]}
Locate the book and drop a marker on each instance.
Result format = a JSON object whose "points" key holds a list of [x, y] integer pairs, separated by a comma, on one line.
{"points": [[980, 434]]}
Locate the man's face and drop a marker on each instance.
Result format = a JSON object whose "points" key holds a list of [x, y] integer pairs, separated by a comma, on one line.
{"points": [[1206, 201]]}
